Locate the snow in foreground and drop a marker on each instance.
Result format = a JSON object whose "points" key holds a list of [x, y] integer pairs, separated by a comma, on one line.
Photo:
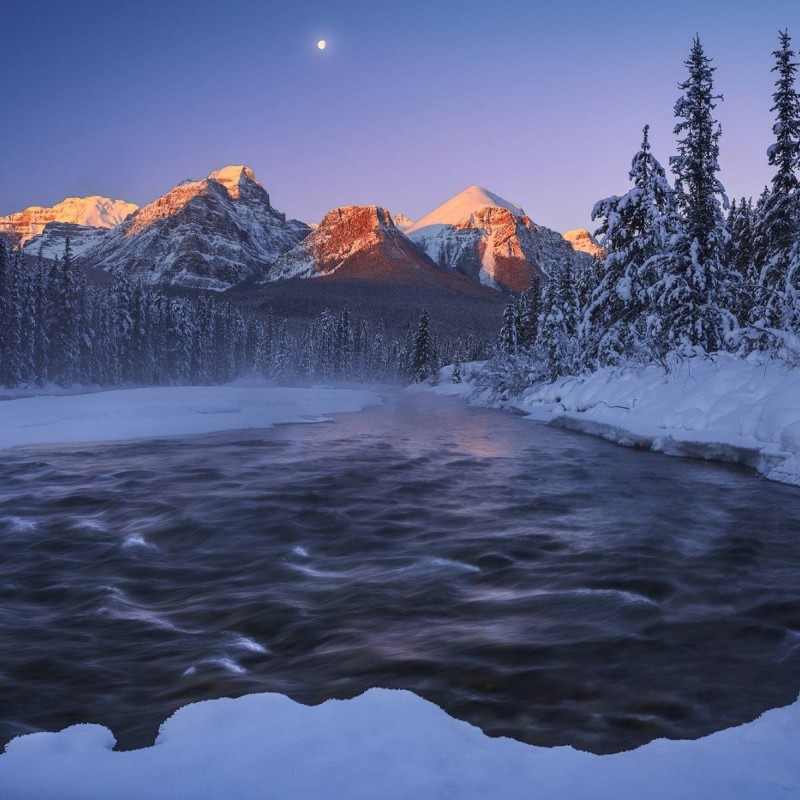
{"points": [[167, 411], [390, 745], [725, 409]]}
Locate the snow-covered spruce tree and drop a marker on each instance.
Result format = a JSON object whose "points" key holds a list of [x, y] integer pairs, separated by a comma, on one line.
{"points": [[14, 371], [695, 289], [558, 322], [456, 377], [635, 229], [68, 287], [509, 331], [421, 356], [41, 323], [587, 281], [740, 254], [742, 229], [528, 313], [776, 299]]}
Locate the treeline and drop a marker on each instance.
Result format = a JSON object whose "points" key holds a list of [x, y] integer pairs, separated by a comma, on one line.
{"points": [[685, 273], [55, 328]]}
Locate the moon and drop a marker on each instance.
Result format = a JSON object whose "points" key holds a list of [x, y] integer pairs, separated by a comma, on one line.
{"points": [[322, 44]]}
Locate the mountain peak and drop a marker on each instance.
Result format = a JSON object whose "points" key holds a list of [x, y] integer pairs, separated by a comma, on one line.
{"points": [[402, 222], [583, 241], [208, 234], [358, 243], [464, 205], [234, 177]]}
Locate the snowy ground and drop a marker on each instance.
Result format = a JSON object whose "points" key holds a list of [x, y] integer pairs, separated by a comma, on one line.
{"points": [[389, 745], [724, 409], [167, 411]]}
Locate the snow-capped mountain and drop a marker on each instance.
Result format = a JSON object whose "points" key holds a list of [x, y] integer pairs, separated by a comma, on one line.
{"points": [[93, 212], [462, 206], [358, 242], [212, 233], [481, 235], [584, 242]]}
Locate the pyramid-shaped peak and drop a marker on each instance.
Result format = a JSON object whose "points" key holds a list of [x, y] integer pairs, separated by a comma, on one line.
{"points": [[233, 174], [463, 206], [234, 177]]}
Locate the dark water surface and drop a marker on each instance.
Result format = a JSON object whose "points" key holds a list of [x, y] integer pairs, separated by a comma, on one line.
{"points": [[538, 583]]}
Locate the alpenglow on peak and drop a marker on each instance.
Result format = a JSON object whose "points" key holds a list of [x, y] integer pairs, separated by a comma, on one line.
{"points": [[463, 205]]}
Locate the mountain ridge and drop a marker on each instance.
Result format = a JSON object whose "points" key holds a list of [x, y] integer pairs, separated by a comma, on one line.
{"points": [[93, 211], [222, 230]]}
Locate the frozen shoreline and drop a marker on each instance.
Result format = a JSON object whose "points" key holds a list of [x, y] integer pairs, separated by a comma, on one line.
{"points": [[392, 745], [130, 414], [726, 409]]}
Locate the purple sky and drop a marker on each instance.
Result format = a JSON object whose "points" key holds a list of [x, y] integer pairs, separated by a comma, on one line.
{"points": [[543, 103]]}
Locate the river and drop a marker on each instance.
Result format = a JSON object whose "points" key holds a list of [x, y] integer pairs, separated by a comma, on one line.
{"points": [[538, 583]]}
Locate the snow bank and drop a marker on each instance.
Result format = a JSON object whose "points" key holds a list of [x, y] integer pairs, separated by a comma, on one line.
{"points": [[390, 745], [726, 409], [167, 411]]}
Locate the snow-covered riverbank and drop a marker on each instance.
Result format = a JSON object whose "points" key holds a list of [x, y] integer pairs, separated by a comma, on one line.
{"points": [[127, 414], [392, 745], [725, 409]]}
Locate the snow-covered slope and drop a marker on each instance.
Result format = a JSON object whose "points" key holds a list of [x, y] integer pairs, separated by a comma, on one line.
{"points": [[94, 212], [362, 243], [744, 411], [481, 235], [584, 242], [390, 745], [52, 241], [211, 233]]}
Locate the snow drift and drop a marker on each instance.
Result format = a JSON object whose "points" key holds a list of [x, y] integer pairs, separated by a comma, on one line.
{"points": [[392, 745], [721, 408]]}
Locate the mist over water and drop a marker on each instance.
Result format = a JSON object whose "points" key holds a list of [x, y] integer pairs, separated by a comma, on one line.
{"points": [[540, 584]]}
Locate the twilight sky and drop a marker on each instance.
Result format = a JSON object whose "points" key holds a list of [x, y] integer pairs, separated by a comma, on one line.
{"points": [[542, 102]]}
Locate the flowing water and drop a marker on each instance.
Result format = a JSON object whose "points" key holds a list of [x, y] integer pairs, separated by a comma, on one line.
{"points": [[538, 583]]}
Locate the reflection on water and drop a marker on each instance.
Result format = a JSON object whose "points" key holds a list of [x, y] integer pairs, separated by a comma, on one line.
{"points": [[537, 583]]}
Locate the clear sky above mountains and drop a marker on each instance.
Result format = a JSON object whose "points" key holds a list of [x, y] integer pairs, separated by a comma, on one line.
{"points": [[410, 103]]}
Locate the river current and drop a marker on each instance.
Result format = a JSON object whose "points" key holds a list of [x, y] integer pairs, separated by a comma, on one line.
{"points": [[540, 584]]}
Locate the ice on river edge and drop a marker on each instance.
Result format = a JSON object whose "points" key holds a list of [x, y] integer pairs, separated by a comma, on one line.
{"points": [[127, 414], [391, 745], [722, 409]]}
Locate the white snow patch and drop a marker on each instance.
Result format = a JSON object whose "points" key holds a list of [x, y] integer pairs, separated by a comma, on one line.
{"points": [[128, 414], [392, 745]]}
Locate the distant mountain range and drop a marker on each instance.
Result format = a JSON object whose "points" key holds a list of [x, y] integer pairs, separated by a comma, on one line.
{"points": [[222, 231], [94, 212]]}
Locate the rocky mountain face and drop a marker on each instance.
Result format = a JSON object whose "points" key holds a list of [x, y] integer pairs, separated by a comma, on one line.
{"points": [[481, 235], [358, 243], [53, 239], [93, 212], [584, 242], [209, 234]]}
